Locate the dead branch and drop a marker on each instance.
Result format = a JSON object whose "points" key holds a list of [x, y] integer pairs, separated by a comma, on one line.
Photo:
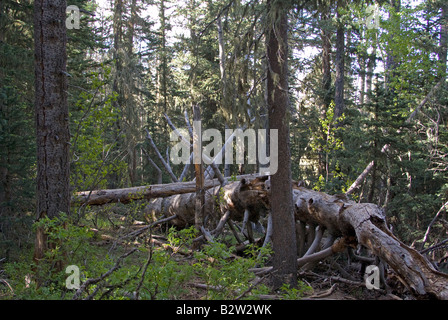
{"points": [[425, 237], [316, 242], [141, 230], [155, 166], [89, 282], [364, 174], [156, 150], [206, 158], [425, 100]]}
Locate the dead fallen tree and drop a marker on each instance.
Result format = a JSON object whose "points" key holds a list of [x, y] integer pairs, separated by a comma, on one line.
{"points": [[126, 195], [366, 223], [348, 223], [235, 198]]}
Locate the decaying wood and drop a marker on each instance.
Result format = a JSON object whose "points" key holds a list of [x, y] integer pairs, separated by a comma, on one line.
{"points": [[366, 223], [126, 195], [235, 197]]}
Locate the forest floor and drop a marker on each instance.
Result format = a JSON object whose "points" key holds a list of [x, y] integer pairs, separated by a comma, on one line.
{"points": [[336, 278]]}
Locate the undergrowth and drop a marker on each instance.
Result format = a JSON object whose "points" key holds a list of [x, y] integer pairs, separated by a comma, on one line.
{"points": [[158, 264]]}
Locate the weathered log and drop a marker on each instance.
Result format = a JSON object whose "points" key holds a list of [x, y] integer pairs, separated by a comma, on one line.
{"points": [[366, 222], [126, 195], [235, 197]]}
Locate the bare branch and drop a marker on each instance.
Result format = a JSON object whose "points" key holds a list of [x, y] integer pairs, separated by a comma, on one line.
{"points": [[89, 282], [167, 167]]}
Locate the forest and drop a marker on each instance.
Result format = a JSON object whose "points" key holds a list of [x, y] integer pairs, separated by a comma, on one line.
{"points": [[223, 150]]}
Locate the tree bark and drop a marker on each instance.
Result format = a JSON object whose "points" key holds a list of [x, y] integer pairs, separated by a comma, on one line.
{"points": [[126, 195], [325, 35], [52, 118], [162, 70], [283, 226], [362, 78], [371, 63], [326, 95], [391, 59]]}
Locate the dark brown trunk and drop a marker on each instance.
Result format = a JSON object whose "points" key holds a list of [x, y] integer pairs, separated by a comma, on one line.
{"points": [[162, 95], [282, 210], [52, 122], [391, 59], [340, 66], [326, 95], [443, 41], [199, 170], [326, 61], [370, 69]]}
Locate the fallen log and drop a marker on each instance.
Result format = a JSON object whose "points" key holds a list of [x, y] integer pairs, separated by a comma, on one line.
{"points": [[353, 223], [235, 197], [367, 224], [126, 195]]}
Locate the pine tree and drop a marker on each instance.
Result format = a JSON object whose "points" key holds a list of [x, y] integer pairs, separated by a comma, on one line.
{"points": [[52, 118], [282, 211]]}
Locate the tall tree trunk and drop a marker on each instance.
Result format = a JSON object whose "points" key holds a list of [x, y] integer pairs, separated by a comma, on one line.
{"points": [[162, 93], [118, 40], [340, 65], [362, 79], [282, 209], [222, 60], [52, 119], [326, 83], [391, 59], [5, 195], [198, 168], [133, 125], [224, 86], [114, 181], [443, 53], [325, 35], [370, 69]]}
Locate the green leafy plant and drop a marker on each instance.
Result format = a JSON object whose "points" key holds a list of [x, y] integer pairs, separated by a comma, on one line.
{"points": [[289, 293], [225, 274]]}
